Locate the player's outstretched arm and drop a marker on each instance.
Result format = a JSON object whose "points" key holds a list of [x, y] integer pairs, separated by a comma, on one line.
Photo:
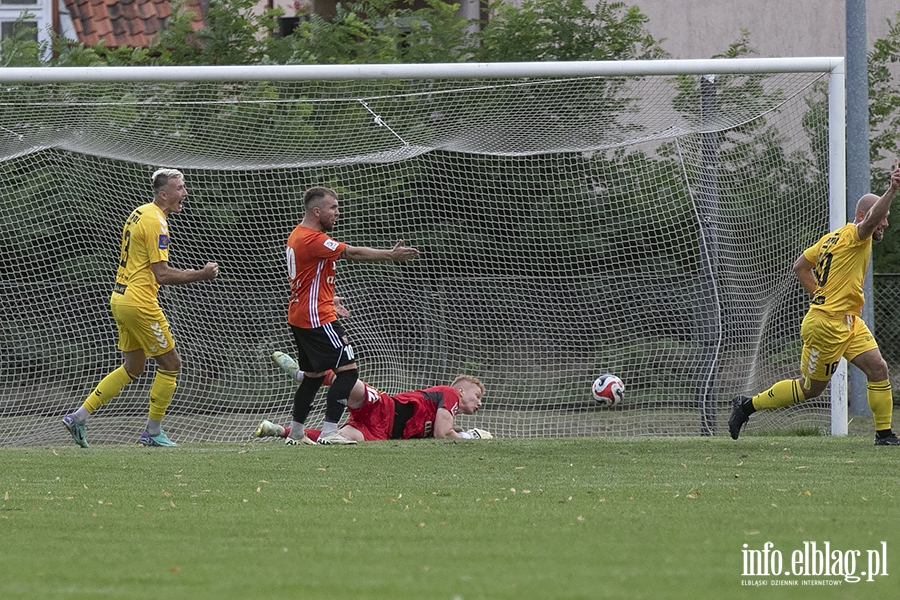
{"points": [[881, 207], [443, 425], [166, 275], [398, 253]]}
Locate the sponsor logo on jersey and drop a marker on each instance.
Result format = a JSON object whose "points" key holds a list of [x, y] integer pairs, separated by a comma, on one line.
{"points": [[163, 241], [331, 244]]}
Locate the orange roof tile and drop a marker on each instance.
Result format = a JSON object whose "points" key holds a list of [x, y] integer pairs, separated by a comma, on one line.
{"points": [[132, 23]]}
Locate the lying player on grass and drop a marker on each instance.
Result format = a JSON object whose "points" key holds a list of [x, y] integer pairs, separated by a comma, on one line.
{"points": [[375, 415]]}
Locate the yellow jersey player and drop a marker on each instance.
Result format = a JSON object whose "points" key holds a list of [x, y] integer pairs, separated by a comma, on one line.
{"points": [[832, 271], [143, 329]]}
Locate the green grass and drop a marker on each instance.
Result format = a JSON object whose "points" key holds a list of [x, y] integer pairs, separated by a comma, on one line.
{"points": [[527, 518], [794, 432]]}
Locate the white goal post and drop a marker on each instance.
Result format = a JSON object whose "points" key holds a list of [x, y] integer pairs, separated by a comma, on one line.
{"points": [[578, 218]]}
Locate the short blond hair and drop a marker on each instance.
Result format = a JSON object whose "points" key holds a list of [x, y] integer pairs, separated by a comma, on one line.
{"points": [[161, 177], [473, 380]]}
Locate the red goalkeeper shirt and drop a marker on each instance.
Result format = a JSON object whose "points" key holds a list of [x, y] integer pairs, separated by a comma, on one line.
{"points": [[310, 258], [425, 406], [402, 416]]}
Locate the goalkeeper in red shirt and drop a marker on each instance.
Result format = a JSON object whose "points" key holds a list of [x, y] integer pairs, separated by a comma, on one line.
{"points": [[375, 415]]}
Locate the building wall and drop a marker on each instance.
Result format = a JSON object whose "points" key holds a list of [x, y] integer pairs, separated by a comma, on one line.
{"points": [[778, 28]]}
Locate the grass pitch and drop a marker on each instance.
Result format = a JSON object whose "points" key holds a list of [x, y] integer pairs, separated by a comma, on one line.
{"points": [[525, 518]]}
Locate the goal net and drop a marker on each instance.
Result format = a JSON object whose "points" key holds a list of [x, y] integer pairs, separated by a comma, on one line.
{"points": [[573, 219]]}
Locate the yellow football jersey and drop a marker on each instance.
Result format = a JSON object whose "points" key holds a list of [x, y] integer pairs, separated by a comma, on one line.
{"points": [[145, 240], [841, 260]]}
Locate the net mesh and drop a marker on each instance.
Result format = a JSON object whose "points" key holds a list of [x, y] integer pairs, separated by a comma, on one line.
{"points": [[642, 226]]}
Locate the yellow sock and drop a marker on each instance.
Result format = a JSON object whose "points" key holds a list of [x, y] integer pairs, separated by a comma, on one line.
{"points": [[881, 401], [108, 388], [161, 393], [783, 393]]}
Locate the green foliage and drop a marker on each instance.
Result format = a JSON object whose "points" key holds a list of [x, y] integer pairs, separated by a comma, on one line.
{"points": [[348, 38], [230, 38], [884, 97], [884, 123], [100, 55], [369, 31], [377, 31], [178, 43], [235, 35], [740, 48], [20, 49], [543, 30]]}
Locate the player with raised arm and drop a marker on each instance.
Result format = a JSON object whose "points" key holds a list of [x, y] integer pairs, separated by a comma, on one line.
{"points": [[832, 271], [322, 343], [375, 415], [143, 329]]}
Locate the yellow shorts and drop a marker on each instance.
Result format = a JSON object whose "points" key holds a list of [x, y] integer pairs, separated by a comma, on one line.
{"points": [[826, 339], [142, 328]]}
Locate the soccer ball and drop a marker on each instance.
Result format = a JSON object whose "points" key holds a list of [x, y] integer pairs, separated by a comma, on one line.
{"points": [[608, 390]]}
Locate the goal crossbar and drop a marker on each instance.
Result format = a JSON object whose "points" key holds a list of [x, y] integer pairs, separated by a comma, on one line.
{"points": [[221, 73]]}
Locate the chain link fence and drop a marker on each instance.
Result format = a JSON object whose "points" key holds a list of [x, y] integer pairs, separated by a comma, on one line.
{"points": [[886, 300]]}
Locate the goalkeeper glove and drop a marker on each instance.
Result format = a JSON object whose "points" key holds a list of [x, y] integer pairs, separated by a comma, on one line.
{"points": [[477, 434]]}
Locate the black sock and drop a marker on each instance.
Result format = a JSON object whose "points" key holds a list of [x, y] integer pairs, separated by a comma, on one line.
{"points": [[338, 393], [883, 433], [304, 396]]}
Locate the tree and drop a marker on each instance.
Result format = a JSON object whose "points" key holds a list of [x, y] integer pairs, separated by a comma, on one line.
{"points": [[884, 123], [540, 30], [370, 31], [380, 31], [21, 49]]}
